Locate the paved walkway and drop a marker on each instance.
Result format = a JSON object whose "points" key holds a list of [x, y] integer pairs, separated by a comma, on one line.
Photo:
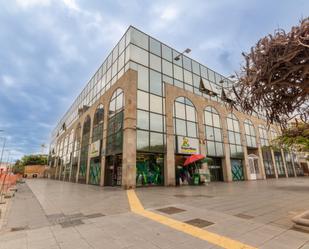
{"points": [[51, 214]]}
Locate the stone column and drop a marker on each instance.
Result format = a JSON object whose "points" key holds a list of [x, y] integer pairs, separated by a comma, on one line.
{"points": [[71, 162], [201, 132], [244, 147], [260, 153], [104, 139], [79, 151], [293, 164], [129, 133], [169, 162], [56, 166], [89, 149], [274, 162], [60, 168], [284, 163], [261, 162], [226, 162]]}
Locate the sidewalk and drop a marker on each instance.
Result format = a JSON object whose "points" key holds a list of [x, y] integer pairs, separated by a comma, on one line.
{"points": [[64, 215]]}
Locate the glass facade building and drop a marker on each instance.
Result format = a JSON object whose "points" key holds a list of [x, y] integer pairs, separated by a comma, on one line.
{"points": [[142, 113]]}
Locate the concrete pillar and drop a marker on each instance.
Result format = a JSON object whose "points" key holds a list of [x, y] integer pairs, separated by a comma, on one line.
{"points": [[245, 150], [201, 133], [89, 148], [261, 162], [104, 139], [201, 129], [260, 153], [284, 163], [129, 134], [169, 164], [56, 166], [274, 162], [71, 163], [226, 162], [78, 154], [293, 164], [60, 169]]}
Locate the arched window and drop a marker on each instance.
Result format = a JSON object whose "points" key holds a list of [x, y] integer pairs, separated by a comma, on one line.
{"points": [[116, 104], [95, 149], [277, 155], [115, 123], [234, 136], [185, 118], [114, 141], [71, 142], [267, 158], [213, 132], [84, 150], [250, 134], [263, 136], [273, 134], [97, 130]]}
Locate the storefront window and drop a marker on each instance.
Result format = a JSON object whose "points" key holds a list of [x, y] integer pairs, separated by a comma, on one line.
{"points": [[278, 156], [250, 134], [279, 163], [84, 150], [267, 158], [95, 149], [149, 169], [234, 136], [213, 130]]}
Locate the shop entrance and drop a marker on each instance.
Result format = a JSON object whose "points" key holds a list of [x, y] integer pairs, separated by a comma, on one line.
{"points": [[73, 172], [149, 169], [95, 171], [113, 170], [179, 162], [191, 174], [254, 166], [237, 170], [215, 169]]}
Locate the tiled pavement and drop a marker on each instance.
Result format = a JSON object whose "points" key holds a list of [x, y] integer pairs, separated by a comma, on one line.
{"points": [[66, 215]]}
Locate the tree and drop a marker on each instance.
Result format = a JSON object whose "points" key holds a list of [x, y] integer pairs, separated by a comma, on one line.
{"points": [[18, 167], [34, 160], [295, 137], [275, 78]]}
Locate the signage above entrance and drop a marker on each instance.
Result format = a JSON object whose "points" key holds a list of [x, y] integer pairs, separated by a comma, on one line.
{"points": [[187, 145], [95, 149]]}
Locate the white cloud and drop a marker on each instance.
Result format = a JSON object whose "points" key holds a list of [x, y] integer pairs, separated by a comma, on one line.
{"points": [[32, 3], [71, 4], [169, 13], [8, 80]]}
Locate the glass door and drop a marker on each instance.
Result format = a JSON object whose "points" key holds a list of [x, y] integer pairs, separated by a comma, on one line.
{"points": [[237, 170]]}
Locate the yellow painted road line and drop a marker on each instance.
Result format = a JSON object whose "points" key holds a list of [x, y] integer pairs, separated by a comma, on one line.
{"points": [[216, 239]]}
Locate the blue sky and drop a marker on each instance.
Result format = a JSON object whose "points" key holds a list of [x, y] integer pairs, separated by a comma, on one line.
{"points": [[50, 48]]}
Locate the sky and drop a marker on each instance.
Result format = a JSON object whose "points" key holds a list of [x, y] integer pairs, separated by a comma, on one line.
{"points": [[51, 48]]}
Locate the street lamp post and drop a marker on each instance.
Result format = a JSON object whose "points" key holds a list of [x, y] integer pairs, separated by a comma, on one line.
{"points": [[4, 140]]}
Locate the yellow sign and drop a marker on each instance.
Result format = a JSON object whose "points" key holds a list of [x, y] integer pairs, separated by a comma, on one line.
{"points": [[95, 149], [187, 145]]}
